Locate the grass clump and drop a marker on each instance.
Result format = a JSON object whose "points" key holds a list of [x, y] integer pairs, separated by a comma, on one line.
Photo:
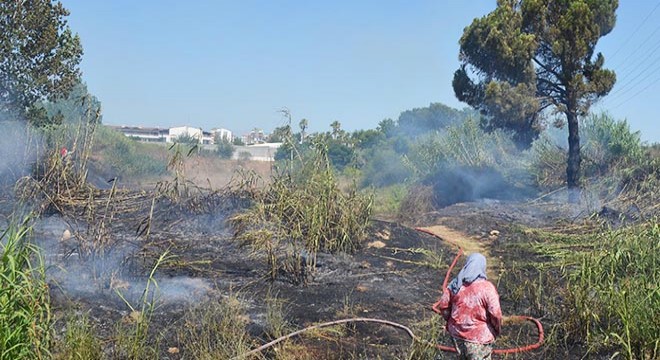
{"points": [[79, 341], [595, 287], [25, 313], [430, 333], [301, 212], [615, 294], [216, 330]]}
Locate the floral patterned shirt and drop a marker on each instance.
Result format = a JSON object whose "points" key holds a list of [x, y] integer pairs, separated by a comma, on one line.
{"points": [[473, 314]]}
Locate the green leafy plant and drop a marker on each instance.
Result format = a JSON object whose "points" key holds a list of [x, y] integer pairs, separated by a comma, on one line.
{"points": [[25, 312]]}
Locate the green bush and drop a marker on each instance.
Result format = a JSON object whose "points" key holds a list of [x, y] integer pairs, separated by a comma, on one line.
{"points": [[607, 146], [465, 163], [548, 162], [387, 200], [464, 145], [127, 157], [608, 143], [383, 167], [225, 149]]}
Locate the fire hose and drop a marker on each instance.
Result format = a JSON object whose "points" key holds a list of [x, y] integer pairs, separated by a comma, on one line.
{"points": [[405, 328], [536, 322]]}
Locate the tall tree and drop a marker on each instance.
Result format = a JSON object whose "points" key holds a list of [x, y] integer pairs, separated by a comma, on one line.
{"points": [[531, 55], [387, 127], [435, 117], [78, 106], [39, 55], [336, 129], [280, 134]]}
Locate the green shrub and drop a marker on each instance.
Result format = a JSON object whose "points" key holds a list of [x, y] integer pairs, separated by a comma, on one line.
{"points": [[383, 167], [464, 145], [608, 143], [465, 163], [225, 149], [388, 199], [127, 157]]}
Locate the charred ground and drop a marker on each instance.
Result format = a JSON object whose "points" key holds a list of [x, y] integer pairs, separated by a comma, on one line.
{"points": [[394, 275]]}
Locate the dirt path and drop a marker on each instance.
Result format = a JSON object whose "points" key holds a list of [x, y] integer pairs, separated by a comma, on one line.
{"points": [[469, 245]]}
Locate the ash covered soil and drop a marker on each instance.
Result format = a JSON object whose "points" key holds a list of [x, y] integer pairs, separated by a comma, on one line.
{"points": [[394, 276]]}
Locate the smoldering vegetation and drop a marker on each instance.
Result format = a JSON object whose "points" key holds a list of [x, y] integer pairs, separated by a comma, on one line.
{"points": [[460, 162], [177, 270]]}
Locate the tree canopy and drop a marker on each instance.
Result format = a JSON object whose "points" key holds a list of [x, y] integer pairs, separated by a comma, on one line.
{"points": [[527, 56], [78, 105], [39, 55], [436, 116]]}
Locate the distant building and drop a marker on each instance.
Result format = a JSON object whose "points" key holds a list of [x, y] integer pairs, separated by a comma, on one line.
{"points": [[195, 133], [207, 138], [258, 152], [256, 136], [146, 134], [219, 133], [169, 135]]}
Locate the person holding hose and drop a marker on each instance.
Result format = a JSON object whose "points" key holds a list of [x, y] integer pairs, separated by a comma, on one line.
{"points": [[471, 306]]}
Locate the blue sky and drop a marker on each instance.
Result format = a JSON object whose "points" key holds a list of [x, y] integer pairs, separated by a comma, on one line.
{"points": [[234, 64]]}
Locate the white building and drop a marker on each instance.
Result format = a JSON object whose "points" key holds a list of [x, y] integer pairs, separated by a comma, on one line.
{"points": [[146, 134], [176, 132], [258, 152], [222, 134], [155, 134]]}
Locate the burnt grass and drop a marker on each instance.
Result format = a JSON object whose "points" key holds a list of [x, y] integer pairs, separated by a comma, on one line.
{"points": [[389, 277]]}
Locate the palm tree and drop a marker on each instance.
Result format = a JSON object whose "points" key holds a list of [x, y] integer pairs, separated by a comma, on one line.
{"points": [[303, 126], [336, 129]]}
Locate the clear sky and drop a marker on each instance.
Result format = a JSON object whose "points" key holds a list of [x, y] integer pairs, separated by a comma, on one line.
{"points": [[234, 64]]}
